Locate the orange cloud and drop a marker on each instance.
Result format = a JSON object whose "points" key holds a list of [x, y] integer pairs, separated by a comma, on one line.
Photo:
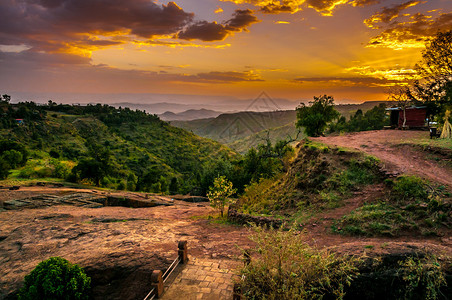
{"points": [[412, 33], [388, 14], [325, 7]]}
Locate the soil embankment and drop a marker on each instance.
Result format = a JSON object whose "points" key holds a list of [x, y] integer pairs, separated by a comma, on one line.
{"points": [[390, 146]]}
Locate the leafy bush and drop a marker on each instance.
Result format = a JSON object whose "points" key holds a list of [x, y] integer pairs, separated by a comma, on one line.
{"points": [[56, 278], [373, 119], [285, 267], [423, 277]]}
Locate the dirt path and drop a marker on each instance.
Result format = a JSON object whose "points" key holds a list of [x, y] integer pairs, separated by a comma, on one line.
{"points": [[385, 145]]}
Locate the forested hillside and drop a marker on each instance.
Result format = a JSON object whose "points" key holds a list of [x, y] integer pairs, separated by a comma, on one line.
{"points": [[103, 145], [247, 129]]}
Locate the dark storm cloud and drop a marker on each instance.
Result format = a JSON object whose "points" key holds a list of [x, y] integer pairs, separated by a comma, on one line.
{"points": [[79, 27], [213, 31], [59, 25]]}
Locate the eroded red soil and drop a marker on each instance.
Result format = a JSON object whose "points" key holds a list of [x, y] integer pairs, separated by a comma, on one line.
{"points": [[383, 144]]}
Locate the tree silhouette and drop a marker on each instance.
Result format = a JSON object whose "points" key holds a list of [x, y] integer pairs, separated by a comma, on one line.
{"points": [[435, 88]]}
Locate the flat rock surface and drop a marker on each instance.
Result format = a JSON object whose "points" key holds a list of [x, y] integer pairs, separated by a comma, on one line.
{"points": [[118, 246]]}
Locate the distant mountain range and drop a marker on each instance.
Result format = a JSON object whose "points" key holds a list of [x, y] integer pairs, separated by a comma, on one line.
{"points": [[161, 103], [188, 115], [246, 129]]}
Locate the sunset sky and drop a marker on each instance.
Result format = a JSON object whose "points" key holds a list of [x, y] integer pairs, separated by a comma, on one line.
{"points": [[294, 49]]}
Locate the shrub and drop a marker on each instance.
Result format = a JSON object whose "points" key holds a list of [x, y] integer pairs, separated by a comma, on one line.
{"points": [[423, 277], [285, 267], [56, 278]]}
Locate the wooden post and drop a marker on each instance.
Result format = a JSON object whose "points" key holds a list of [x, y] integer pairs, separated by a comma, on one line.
{"points": [[183, 253], [157, 282]]}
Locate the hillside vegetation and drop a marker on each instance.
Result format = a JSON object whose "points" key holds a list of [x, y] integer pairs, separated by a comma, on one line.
{"points": [[321, 178], [102, 145], [244, 130]]}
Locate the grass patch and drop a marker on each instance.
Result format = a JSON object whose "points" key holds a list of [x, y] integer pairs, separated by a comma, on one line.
{"points": [[427, 142], [285, 267], [409, 207]]}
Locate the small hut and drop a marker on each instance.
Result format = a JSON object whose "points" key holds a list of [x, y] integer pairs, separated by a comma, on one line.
{"points": [[415, 117]]}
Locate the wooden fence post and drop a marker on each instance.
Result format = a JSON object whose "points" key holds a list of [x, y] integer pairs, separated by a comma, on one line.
{"points": [[183, 253], [157, 282]]}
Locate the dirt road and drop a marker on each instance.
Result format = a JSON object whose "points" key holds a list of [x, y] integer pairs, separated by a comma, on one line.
{"points": [[391, 147]]}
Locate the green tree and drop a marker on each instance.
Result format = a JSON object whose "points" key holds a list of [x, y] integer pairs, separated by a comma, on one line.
{"points": [[12, 157], [4, 169], [435, 88], [95, 167], [89, 168], [56, 279], [315, 118], [220, 192]]}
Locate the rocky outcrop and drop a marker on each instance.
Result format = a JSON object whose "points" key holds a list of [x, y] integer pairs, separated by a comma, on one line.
{"points": [[241, 218], [87, 200]]}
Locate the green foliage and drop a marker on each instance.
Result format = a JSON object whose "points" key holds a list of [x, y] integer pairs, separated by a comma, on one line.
{"points": [[102, 141], [13, 153], [356, 174], [373, 119], [423, 277], [220, 192], [409, 188], [131, 182], [374, 219], [408, 207], [257, 196], [60, 169], [316, 179], [283, 266], [435, 89], [56, 279], [315, 118], [4, 169]]}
